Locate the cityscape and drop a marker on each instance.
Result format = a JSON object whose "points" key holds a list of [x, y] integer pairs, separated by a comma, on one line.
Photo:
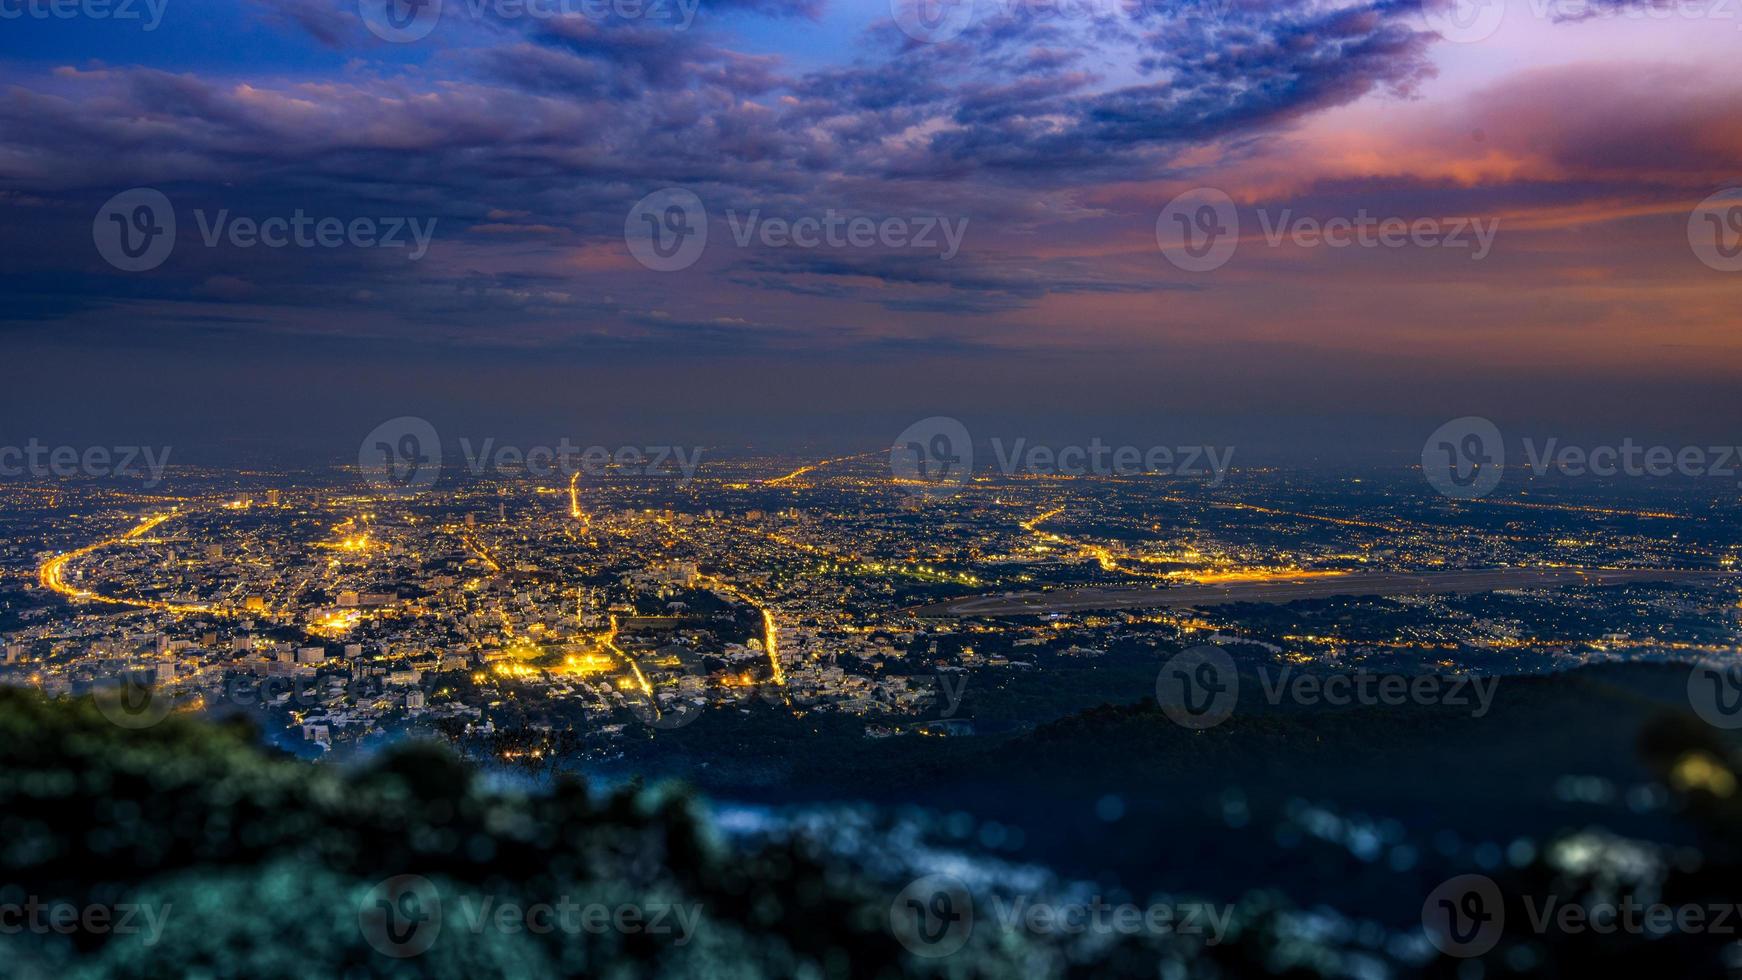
{"points": [[346, 611]]}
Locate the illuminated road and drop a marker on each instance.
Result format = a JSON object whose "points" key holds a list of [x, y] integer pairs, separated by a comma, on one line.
{"points": [[1295, 589], [781, 481], [482, 552], [575, 510], [1110, 562], [52, 574], [1582, 509], [770, 632], [609, 642], [1104, 557]]}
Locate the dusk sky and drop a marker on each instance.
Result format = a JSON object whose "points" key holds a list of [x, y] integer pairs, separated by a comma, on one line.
{"points": [[1058, 131]]}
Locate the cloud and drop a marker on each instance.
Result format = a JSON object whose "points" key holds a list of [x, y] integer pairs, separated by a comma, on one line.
{"points": [[981, 285], [1059, 131]]}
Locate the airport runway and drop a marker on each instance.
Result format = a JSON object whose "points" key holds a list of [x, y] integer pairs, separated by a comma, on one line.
{"points": [[1291, 590]]}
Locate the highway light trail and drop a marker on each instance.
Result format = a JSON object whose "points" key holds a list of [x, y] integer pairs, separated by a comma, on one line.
{"points": [[1110, 562], [482, 552], [1463, 582], [781, 481], [770, 632], [575, 510], [609, 641], [52, 574], [1581, 509], [1102, 556]]}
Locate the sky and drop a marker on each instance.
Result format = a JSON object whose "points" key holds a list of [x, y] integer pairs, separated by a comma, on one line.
{"points": [[1019, 172]]}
